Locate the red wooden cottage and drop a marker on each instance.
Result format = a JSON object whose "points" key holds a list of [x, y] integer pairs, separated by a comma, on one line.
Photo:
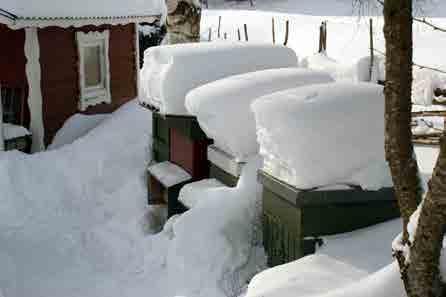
{"points": [[58, 58]]}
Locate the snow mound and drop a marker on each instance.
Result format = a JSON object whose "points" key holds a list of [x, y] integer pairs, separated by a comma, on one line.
{"points": [[231, 97], [70, 217], [216, 246], [191, 194], [308, 276], [170, 71], [324, 134], [425, 81], [75, 127]]}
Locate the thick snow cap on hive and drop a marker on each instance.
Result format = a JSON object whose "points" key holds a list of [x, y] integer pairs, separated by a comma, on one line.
{"points": [[223, 107], [324, 134], [171, 71]]}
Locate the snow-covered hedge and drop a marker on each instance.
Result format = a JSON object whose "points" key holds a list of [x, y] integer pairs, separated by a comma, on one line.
{"points": [[170, 71], [324, 134], [223, 107]]}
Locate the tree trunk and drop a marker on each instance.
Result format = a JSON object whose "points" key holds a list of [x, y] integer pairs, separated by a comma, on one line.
{"points": [[183, 21], [420, 273], [398, 140]]}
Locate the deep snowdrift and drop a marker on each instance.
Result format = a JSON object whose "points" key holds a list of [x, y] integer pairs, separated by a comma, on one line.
{"points": [[324, 134], [169, 72], [70, 218], [223, 107]]}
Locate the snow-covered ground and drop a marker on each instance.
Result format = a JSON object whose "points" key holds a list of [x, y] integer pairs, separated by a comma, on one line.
{"points": [[348, 34]]}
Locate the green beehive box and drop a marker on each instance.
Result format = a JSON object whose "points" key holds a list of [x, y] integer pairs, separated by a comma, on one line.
{"points": [[226, 178], [294, 220], [160, 138]]}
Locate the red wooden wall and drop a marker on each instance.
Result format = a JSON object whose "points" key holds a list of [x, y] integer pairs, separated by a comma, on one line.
{"points": [[60, 82]]}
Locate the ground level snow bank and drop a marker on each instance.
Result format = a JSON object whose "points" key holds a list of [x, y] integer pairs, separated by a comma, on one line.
{"points": [[70, 218], [342, 144], [171, 71], [231, 98], [215, 247]]}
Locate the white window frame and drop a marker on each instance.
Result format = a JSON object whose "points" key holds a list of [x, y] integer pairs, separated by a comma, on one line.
{"points": [[90, 96]]}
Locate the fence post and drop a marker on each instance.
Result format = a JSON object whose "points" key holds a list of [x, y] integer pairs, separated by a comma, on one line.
{"points": [[219, 26], [287, 31], [372, 56], [246, 31], [273, 30], [239, 35]]}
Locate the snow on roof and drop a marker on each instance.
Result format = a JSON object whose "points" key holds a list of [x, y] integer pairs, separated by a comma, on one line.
{"points": [[22, 13]]}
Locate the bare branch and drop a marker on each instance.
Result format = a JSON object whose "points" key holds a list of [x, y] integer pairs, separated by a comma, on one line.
{"points": [[416, 64], [433, 26]]}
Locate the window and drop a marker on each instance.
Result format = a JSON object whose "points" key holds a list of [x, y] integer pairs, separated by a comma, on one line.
{"points": [[94, 68]]}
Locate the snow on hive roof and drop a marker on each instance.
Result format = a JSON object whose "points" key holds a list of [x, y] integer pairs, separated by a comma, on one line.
{"points": [[91, 12]]}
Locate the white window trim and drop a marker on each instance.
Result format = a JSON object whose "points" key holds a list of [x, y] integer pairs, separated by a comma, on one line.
{"points": [[90, 96]]}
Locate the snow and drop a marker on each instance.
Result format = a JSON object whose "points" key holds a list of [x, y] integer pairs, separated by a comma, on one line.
{"points": [[76, 9], [171, 71], [70, 219], [311, 275], [350, 122], [347, 25], [75, 127], [224, 161], [428, 125], [215, 248], [378, 69], [231, 97], [11, 131], [191, 194], [168, 174]]}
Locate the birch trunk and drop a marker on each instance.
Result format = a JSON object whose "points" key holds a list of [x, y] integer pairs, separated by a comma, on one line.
{"points": [[183, 21]]}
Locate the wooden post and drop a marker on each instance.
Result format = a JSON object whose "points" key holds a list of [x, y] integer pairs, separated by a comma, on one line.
{"points": [[210, 34], [239, 35], [246, 31], [274, 31], [323, 37], [287, 31], [219, 26], [372, 56]]}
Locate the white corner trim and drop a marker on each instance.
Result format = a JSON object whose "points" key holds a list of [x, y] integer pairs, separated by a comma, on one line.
{"points": [[137, 56], [90, 96], [33, 75]]}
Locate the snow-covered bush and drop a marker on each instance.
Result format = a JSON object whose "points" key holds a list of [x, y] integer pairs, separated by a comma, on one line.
{"points": [[324, 134], [170, 71], [223, 107]]}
